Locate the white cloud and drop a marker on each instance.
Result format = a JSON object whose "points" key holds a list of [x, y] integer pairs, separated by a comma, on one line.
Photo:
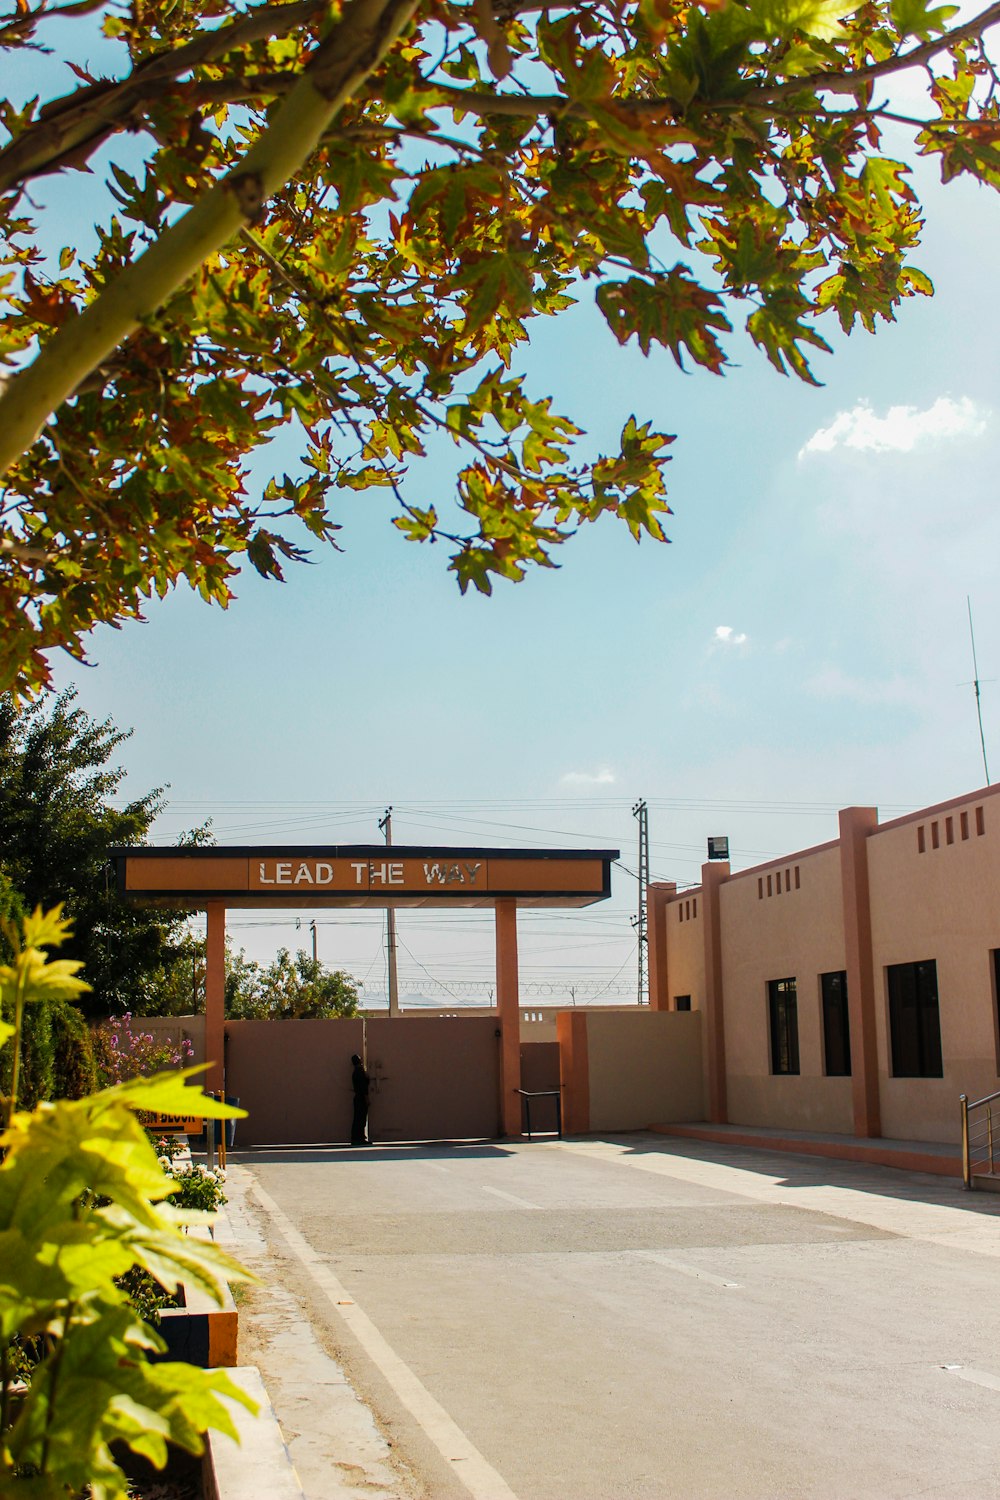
{"points": [[603, 777], [901, 429], [725, 635]]}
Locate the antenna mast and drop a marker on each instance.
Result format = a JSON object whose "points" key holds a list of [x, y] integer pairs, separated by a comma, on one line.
{"points": [[975, 683]]}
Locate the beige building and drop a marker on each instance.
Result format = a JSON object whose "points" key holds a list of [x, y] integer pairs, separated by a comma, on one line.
{"points": [[849, 988]]}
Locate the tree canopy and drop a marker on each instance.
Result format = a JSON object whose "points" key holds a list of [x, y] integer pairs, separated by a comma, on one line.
{"points": [[58, 820], [288, 989], [340, 218]]}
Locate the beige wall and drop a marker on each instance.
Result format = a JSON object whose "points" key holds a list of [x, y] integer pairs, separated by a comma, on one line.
{"points": [[942, 904], [645, 1068], [686, 948], [796, 931]]}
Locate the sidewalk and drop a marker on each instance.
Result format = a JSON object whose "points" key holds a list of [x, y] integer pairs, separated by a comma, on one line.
{"points": [[908, 1156], [338, 1450]]}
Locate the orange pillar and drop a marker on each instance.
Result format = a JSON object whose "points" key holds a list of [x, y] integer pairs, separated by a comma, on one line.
{"points": [[713, 875], [508, 1004], [574, 1071], [658, 893], [856, 823], [215, 998]]}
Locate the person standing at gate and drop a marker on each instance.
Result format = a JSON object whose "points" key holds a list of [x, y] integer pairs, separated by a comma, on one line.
{"points": [[360, 1085]]}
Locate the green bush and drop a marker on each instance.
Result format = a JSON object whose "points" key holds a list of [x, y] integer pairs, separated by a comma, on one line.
{"points": [[84, 1201], [57, 1054]]}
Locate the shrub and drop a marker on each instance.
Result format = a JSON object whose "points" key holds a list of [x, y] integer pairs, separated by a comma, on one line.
{"points": [[196, 1186], [122, 1052], [84, 1201]]}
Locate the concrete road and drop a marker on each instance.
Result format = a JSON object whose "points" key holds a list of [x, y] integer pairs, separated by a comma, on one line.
{"points": [[633, 1317]]}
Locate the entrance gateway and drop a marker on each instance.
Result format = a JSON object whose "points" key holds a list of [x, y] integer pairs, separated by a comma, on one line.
{"points": [[365, 875]]}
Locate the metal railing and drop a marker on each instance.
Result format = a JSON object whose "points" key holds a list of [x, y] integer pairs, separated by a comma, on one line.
{"points": [[980, 1136]]}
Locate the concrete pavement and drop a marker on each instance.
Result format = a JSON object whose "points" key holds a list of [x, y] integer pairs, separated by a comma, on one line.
{"points": [[637, 1316]]}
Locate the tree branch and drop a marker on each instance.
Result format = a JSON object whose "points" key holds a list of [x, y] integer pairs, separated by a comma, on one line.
{"points": [[338, 68], [70, 129], [857, 80]]}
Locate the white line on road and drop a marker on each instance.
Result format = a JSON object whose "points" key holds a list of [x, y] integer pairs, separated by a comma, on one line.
{"points": [[480, 1479], [695, 1271], [511, 1198], [978, 1377]]}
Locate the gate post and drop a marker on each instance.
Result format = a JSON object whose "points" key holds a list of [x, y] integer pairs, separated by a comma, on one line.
{"points": [[508, 1004], [215, 998]]}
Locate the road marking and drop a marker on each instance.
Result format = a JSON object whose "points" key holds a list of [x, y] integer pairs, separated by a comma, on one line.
{"points": [[978, 1377], [435, 1166], [511, 1198], [479, 1477], [678, 1265]]}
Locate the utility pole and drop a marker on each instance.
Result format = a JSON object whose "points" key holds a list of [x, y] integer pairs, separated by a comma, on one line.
{"points": [[385, 826], [641, 812], [312, 924]]}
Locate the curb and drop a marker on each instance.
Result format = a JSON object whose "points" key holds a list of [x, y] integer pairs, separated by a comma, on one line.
{"points": [[259, 1466]]}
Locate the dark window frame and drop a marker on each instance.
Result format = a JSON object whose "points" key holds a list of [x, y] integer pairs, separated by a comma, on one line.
{"points": [[783, 1026], [914, 1019], [836, 1024]]}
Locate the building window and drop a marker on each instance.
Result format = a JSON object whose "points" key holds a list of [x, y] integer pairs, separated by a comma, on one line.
{"points": [[796, 877], [784, 1025], [980, 822], [921, 840], [949, 830], [914, 1022], [836, 1025], [935, 836], [963, 819], [682, 1002]]}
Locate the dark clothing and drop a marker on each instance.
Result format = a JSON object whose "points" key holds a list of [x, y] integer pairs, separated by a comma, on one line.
{"points": [[359, 1083]]}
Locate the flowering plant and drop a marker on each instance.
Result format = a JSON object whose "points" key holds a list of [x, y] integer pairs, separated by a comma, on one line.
{"points": [[121, 1053], [197, 1186]]}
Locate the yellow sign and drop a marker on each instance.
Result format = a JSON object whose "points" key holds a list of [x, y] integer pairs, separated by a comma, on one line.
{"points": [[174, 1124]]}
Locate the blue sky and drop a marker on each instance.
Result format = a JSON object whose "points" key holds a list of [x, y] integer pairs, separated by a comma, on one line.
{"points": [[801, 645]]}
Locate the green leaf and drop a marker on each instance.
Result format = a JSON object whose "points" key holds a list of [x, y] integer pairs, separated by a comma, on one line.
{"points": [[785, 19], [670, 309], [916, 18]]}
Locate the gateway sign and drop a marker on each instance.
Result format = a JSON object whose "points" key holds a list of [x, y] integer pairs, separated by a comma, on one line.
{"points": [[365, 874], [360, 875]]}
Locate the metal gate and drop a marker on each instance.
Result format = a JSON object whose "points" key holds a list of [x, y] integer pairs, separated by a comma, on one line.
{"points": [[433, 1078]]}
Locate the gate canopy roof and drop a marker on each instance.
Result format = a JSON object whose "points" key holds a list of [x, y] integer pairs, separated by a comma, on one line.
{"points": [[315, 875]]}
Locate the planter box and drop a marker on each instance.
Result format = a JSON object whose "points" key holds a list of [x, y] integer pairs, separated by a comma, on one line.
{"points": [[259, 1467], [201, 1332]]}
